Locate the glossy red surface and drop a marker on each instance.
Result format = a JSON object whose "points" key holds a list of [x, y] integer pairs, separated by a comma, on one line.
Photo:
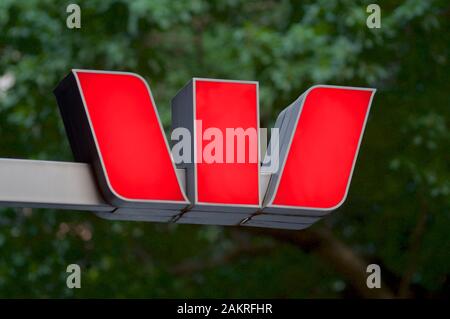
{"points": [[135, 157], [324, 148]]}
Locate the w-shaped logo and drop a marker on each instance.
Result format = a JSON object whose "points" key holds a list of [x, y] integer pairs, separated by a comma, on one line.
{"points": [[214, 174]]}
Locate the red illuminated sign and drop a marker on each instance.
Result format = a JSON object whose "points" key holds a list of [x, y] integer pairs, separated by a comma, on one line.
{"points": [[112, 122], [322, 133], [229, 181]]}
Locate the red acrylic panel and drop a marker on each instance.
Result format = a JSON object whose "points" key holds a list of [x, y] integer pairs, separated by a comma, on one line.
{"points": [[227, 104], [129, 137], [324, 147]]}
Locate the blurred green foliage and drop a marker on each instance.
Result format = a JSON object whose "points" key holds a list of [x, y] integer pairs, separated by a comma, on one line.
{"points": [[398, 210]]}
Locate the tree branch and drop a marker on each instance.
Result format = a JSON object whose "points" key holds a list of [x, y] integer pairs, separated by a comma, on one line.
{"points": [[415, 243], [195, 265], [321, 242]]}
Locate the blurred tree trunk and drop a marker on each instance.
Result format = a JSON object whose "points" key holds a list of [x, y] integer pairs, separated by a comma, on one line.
{"points": [[321, 242]]}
